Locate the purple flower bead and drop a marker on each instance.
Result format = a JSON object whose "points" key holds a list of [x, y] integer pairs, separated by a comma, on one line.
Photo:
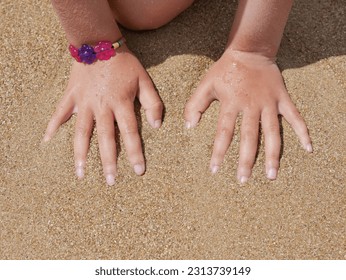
{"points": [[87, 54]]}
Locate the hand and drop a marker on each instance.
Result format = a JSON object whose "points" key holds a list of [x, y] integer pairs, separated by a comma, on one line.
{"points": [[250, 84], [105, 91]]}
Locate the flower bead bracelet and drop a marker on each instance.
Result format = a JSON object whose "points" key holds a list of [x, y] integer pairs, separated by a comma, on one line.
{"points": [[104, 50]]}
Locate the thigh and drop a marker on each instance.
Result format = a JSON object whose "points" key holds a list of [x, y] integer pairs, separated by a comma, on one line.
{"points": [[147, 14]]}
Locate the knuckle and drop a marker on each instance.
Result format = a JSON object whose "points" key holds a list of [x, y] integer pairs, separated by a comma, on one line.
{"points": [[246, 164], [227, 119], [52, 124], [224, 132], [130, 131], [123, 98], [299, 119], [294, 110], [136, 158], [159, 106], [218, 155], [108, 166], [188, 107], [300, 127], [82, 131], [57, 114], [227, 116], [272, 163], [59, 108], [103, 131], [79, 157], [295, 113], [155, 106], [248, 134], [273, 157], [271, 128]]}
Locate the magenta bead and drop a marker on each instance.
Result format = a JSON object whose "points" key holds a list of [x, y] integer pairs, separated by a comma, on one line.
{"points": [[105, 55], [74, 53], [104, 50], [103, 46]]}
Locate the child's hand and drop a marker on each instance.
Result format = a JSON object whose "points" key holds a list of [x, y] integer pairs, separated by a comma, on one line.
{"points": [[250, 84], [105, 91]]}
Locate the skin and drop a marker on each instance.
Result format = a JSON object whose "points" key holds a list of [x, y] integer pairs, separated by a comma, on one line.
{"points": [[252, 85], [245, 80]]}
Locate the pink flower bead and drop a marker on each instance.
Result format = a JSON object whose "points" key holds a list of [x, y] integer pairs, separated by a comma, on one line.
{"points": [[102, 46], [105, 55], [104, 50], [74, 53]]}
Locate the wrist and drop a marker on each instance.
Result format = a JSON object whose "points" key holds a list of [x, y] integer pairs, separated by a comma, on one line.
{"points": [[258, 26], [249, 57], [103, 50], [264, 50]]}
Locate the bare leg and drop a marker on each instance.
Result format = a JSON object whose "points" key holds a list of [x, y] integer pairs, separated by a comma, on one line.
{"points": [[147, 14]]}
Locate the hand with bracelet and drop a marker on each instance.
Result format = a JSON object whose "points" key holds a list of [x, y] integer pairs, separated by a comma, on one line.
{"points": [[102, 90], [105, 79]]}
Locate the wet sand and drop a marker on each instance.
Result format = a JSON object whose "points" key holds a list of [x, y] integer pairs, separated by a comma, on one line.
{"points": [[177, 210]]}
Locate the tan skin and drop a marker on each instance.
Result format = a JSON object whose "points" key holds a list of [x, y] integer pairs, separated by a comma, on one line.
{"points": [[245, 80]]}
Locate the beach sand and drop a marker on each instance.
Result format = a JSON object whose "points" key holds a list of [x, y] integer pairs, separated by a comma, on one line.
{"points": [[177, 210]]}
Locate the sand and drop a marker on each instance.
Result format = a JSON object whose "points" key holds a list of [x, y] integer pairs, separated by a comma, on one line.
{"points": [[177, 210]]}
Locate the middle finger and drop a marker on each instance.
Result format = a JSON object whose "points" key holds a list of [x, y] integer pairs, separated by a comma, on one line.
{"points": [[248, 145], [106, 139]]}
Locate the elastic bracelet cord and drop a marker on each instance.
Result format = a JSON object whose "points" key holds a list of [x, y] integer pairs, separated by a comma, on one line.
{"points": [[104, 50]]}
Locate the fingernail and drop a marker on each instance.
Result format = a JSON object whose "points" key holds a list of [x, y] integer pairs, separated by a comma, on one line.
{"points": [[214, 169], [188, 125], [272, 173], [139, 169], [243, 179], [309, 148], [110, 179], [157, 124], [80, 172]]}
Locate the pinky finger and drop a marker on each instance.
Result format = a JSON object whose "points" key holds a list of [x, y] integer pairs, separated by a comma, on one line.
{"points": [[62, 113], [288, 110]]}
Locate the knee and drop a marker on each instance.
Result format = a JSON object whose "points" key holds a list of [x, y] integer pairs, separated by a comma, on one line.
{"points": [[141, 23], [139, 15]]}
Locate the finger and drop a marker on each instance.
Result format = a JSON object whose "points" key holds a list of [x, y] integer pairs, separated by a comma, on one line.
{"points": [[83, 129], [248, 145], [271, 131], [106, 139], [223, 138], [198, 103], [62, 113], [150, 101], [127, 124], [289, 111]]}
